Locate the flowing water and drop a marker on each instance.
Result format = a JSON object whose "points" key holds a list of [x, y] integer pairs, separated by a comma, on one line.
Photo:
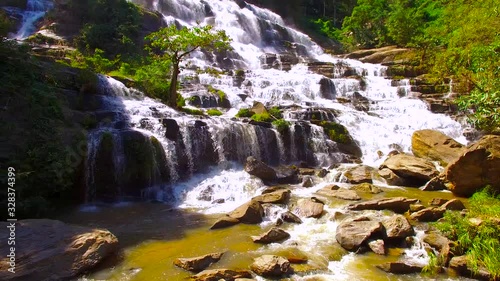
{"points": [[35, 10], [192, 161]]}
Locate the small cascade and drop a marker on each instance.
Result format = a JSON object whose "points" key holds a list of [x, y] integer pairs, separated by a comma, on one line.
{"points": [[35, 10]]}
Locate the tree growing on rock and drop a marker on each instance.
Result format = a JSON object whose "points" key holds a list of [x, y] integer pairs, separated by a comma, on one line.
{"points": [[174, 45]]}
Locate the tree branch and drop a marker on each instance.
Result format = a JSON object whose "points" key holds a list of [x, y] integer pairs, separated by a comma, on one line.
{"points": [[188, 52]]}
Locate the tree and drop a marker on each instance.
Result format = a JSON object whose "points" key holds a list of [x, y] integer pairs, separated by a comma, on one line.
{"points": [[174, 45]]}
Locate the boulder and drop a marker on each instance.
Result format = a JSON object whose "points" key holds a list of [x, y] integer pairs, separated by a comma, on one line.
{"points": [[377, 246], [391, 178], [477, 167], [367, 187], [224, 222], [290, 217], [258, 108], [221, 274], [441, 244], [273, 235], [309, 208], [271, 266], [53, 250], [344, 194], [250, 212], [277, 197], [306, 171], [396, 204], [416, 207], [352, 234], [415, 171], [400, 268], [454, 205], [397, 227], [435, 146], [259, 169], [428, 214], [359, 174], [460, 265], [436, 183], [198, 264], [322, 173], [287, 175], [308, 182], [437, 202]]}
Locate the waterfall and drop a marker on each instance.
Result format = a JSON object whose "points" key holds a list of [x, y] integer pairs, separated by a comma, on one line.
{"points": [[35, 10]]}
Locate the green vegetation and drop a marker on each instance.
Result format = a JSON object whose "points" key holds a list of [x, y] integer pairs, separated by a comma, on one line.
{"points": [[192, 111], [262, 117], [336, 132], [217, 92], [480, 242], [245, 112], [214, 112], [173, 45], [281, 125], [275, 112]]}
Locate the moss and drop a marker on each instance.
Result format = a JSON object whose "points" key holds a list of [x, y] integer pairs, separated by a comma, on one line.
{"points": [[191, 111], [217, 92], [245, 112], [263, 117], [87, 81], [336, 132], [275, 112], [281, 125], [240, 73], [214, 112]]}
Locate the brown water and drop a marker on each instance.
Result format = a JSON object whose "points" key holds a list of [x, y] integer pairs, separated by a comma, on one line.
{"points": [[153, 235]]}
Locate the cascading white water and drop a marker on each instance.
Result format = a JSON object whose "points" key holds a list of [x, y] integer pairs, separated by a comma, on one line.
{"points": [[35, 10]]}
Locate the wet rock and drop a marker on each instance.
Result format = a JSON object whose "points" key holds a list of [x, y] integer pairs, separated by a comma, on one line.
{"points": [[322, 173], [274, 188], [391, 178], [287, 175], [277, 197], [171, 129], [436, 183], [367, 187], [328, 190], [454, 205], [359, 174], [53, 250], [198, 264], [219, 201], [415, 171], [428, 214], [309, 208], [416, 207], [359, 101], [397, 227], [459, 264], [344, 194], [400, 268], [224, 222], [221, 274], [377, 246], [290, 217], [436, 202], [273, 235], [259, 169], [477, 167], [308, 182], [271, 266], [396, 204], [435, 146], [327, 88], [352, 234], [250, 212], [306, 171]]}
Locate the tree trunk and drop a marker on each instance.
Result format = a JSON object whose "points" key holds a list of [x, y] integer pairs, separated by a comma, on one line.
{"points": [[172, 100]]}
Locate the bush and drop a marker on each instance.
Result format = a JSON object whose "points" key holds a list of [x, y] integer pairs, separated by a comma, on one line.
{"points": [[481, 244], [263, 117], [281, 125], [245, 112], [214, 112]]}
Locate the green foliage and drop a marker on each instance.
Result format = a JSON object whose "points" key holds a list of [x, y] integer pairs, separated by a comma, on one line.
{"points": [[192, 111], [217, 92], [180, 101], [275, 112], [336, 132], [262, 117], [153, 80], [245, 112], [281, 125], [173, 45], [214, 112], [480, 243]]}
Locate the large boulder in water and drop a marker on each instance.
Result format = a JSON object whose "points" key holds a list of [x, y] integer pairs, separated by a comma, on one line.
{"points": [[351, 235], [276, 197], [309, 208], [53, 250], [250, 212], [395, 204], [436, 146], [259, 169], [415, 171], [359, 174], [221, 274], [271, 266], [397, 227], [273, 235], [477, 167]]}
